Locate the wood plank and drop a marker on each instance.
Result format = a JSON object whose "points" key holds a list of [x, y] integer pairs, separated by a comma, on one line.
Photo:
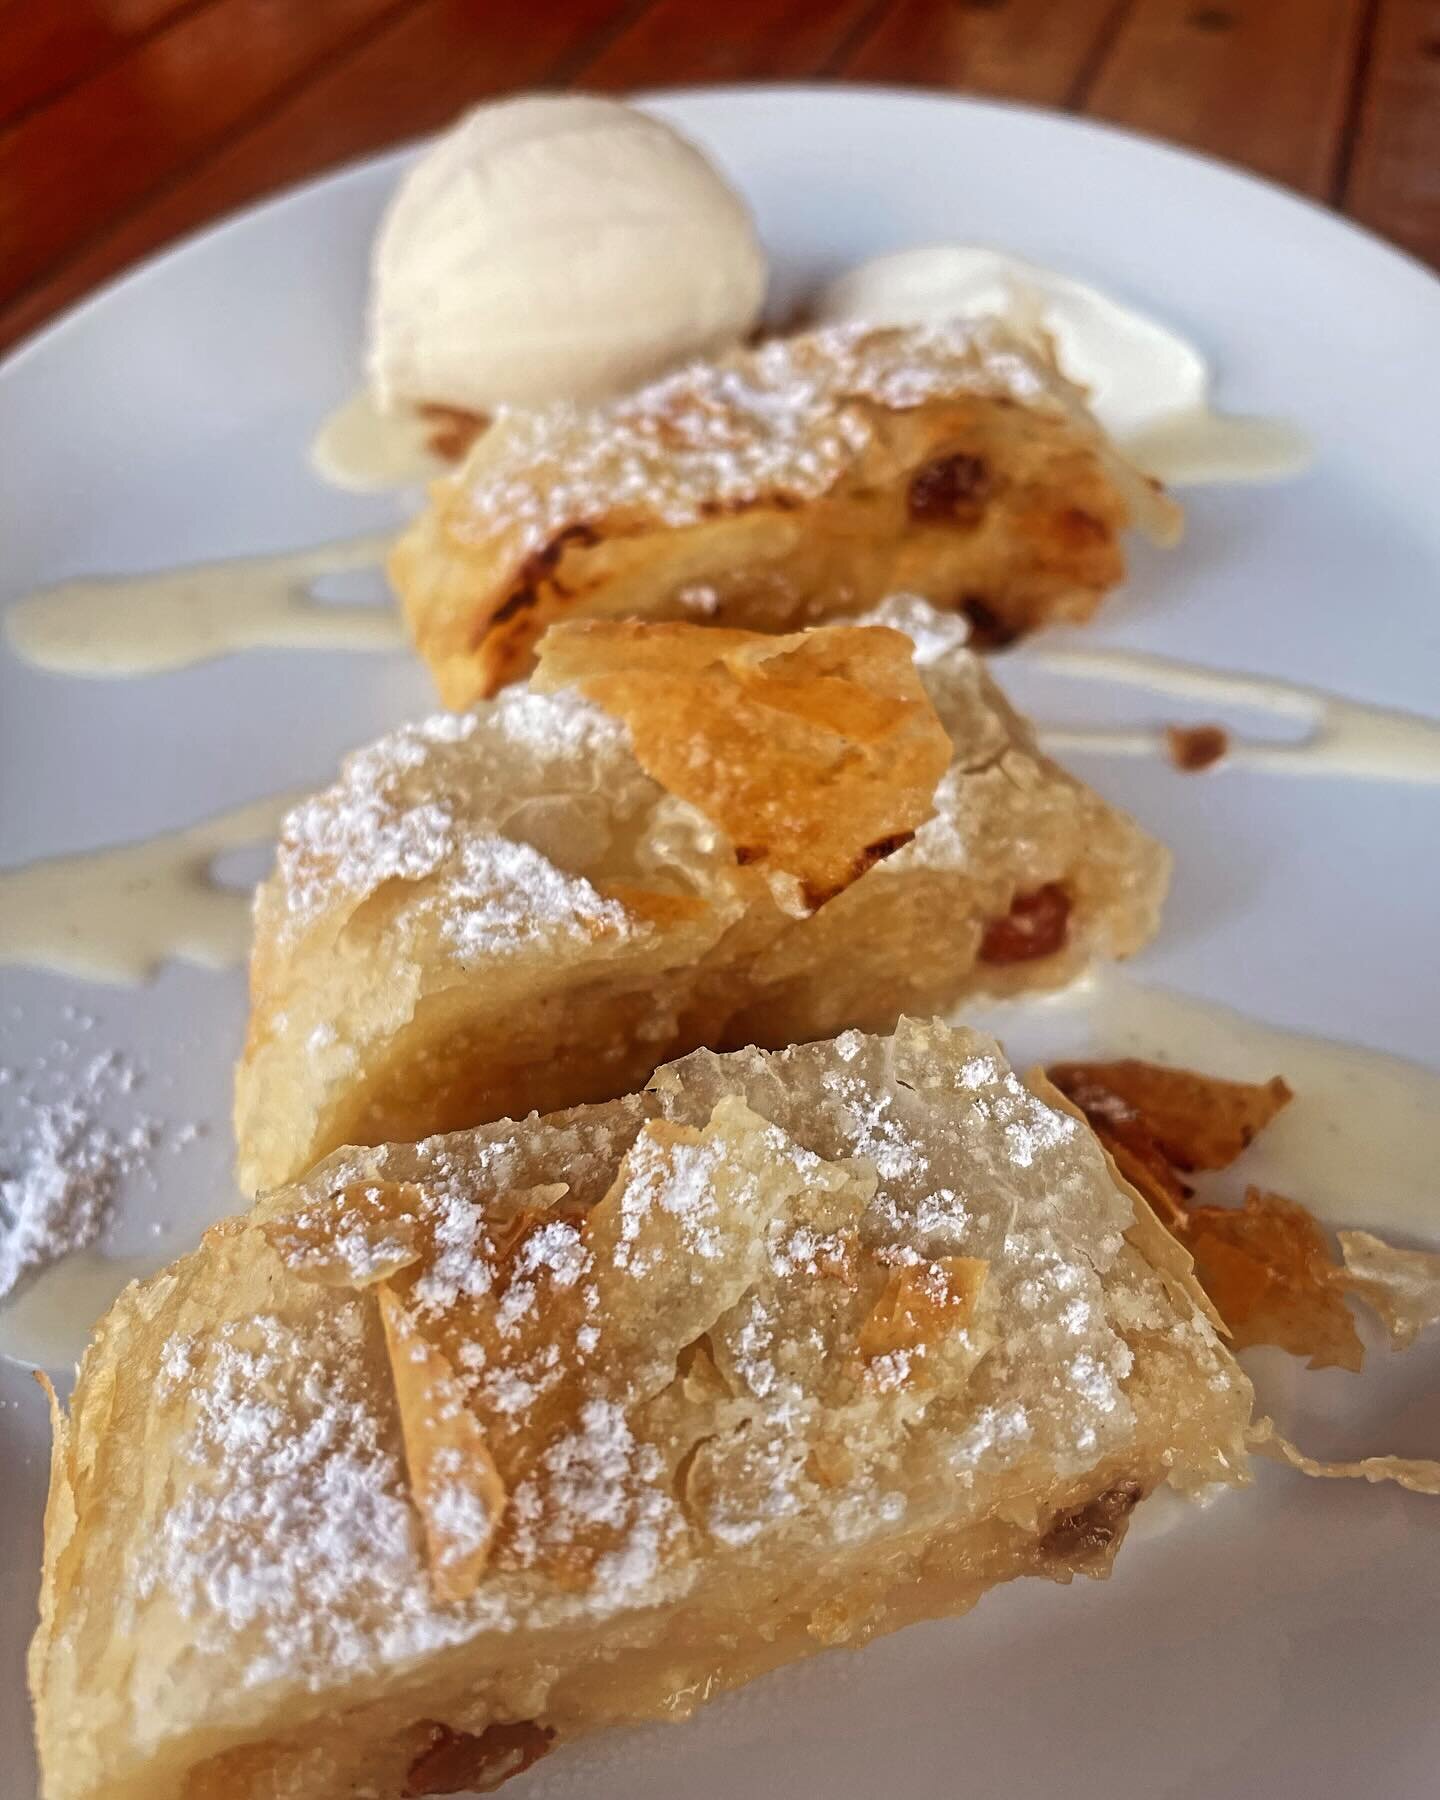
{"points": [[678, 41], [50, 46], [1011, 49], [1392, 183], [1265, 83], [67, 170], [411, 76]]}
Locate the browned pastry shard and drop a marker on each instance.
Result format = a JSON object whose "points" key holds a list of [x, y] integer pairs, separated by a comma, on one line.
{"points": [[680, 836], [816, 754], [1267, 1266], [1196, 747], [1157, 1120], [802, 480], [460, 1450]]}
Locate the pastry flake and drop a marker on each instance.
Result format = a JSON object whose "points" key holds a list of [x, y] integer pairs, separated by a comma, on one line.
{"points": [[534, 904], [797, 481], [919, 1304], [382, 1235], [816, 754], [1401, 1286], [454, 1483], [1420, 1474], [1265, 1268], [1268, 1268], [666, 1322], [1195, 1121]]}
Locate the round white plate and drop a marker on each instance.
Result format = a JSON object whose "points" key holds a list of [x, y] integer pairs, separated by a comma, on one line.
{"points": [[1284, 1642]]}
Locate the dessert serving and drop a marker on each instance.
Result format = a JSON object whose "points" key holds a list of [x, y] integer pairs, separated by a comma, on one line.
{"points": [[648, 1268], [804, 479], [460, 1450], [677, 836]]}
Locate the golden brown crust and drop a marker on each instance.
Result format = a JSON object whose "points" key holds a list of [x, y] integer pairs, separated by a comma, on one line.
{"points": [[1149, 1234], [816, 754], [1269, 1270], [800, 481], [1195, 1121]]}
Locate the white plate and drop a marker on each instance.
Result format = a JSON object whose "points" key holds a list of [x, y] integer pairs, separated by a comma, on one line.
{"points": [[1282, 1643]]}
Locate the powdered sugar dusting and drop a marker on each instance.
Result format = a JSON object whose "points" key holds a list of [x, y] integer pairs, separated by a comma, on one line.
{"points": [[678, 1179], [694, 1347], [787, 417], [292, 1534], [877, 1133], [420, 807], [506, 895], [936, 635], [556, 727], [356, 838], [73, 1139], [599, 1479]]}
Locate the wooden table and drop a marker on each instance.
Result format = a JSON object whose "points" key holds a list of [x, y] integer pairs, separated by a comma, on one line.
{"points": [[124, 123]]}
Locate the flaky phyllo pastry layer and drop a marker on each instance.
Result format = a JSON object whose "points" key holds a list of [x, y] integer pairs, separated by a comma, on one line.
{"points": [[799, 481], [678, 836], [458, 1450]]}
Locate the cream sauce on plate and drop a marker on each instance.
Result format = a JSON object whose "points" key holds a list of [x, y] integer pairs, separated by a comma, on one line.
{"points": [[145, 624], [1342, 737], [364, 450], [47, 1323], [117, 914]]}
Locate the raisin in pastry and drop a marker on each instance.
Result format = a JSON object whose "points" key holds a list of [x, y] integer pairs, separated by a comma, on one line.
{"points": [[799, 481]]}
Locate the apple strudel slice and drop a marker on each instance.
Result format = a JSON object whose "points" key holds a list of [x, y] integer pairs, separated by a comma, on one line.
{"points": [[799, 481], [460, 1450], [679, 836]]}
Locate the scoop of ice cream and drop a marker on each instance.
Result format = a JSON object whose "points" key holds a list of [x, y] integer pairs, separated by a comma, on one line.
{"points": [[555, 247]]}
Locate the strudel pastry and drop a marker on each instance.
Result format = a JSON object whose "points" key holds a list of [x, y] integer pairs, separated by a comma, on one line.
{"points": [[679, 835], [460, 1450], [795, 482]]}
